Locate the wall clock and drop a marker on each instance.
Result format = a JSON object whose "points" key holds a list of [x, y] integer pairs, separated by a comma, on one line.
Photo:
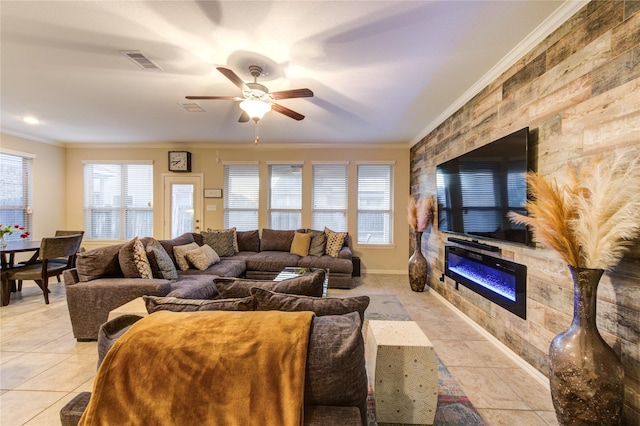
{"points": [[179, 161]]}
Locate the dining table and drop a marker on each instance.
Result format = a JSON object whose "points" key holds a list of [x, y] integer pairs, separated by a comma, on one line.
{"points": [[7, 256]]}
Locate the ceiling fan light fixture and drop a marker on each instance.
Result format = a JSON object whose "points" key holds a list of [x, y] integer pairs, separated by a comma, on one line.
{"points": [[256, 109]]}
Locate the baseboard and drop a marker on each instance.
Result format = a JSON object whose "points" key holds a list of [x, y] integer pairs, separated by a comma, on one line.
{"points": [[385, 271], [533, 372]]}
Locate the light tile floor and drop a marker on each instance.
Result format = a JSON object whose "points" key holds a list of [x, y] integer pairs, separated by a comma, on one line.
{"points": [[42, 366]]}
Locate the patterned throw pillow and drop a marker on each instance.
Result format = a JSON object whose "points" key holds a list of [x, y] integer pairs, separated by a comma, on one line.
{"points": [[300, 244], [161, 264], [180, 251], [318, 243], [335, 241], [141, 261], [202, 257], [224, 242], [127, 259]]}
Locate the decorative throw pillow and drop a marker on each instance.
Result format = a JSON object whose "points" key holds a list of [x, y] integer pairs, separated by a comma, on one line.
{"points": [[174, 304], [335, 241], [101, 262], [224, 242], [300, 244], [183, 239], [307, 285], [127, 261], [141, 261], [270, 301], [180, 251], [161, 264], [318, 243], [202, 257]]}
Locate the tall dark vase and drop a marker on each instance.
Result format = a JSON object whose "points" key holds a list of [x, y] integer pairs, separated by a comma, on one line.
{"points": [[586, 375], [418, 266]]}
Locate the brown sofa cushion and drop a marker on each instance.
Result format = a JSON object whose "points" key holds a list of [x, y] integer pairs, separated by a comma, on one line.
{"points": [[101, 262], [276, 240], [222, 241], [248, 240], [307, 285], [174, 304], [161, 264], [335, 372], [270, 301]]}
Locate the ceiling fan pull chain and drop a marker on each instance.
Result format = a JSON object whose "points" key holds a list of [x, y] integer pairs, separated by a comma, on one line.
{"points": [[255, 142]]}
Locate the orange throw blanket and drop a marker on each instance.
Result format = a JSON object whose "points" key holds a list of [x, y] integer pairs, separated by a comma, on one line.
{"points": [[204, 368]]}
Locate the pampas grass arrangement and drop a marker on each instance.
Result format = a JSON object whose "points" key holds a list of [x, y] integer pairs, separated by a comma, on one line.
{"points": [[593, 218], [420, 213]]}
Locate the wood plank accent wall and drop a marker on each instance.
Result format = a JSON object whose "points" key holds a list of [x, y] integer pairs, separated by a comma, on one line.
{"points": [[579, 92]]}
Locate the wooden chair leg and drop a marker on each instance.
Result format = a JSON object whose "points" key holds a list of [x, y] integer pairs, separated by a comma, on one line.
{"points": [[19, 285], [6, 291], [44, 285]]}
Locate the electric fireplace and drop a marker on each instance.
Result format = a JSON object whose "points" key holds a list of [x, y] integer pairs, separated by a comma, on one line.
{"points": [[502, 282]]}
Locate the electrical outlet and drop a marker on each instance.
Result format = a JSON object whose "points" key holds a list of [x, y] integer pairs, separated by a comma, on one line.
{"points": [[212, 207]]}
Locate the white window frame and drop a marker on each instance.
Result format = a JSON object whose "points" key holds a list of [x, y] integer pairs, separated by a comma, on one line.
{"points": [[23, 210], [324, 199], [243, 190], [297, 210], [387, 231], [123, 208]]}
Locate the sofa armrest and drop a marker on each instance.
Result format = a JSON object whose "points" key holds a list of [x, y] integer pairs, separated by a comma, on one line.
{"points": [[345, 253], [90, 302], [70, 277]]}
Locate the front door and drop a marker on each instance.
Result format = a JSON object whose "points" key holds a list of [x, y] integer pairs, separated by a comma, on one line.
{"points": [[182, 204]]}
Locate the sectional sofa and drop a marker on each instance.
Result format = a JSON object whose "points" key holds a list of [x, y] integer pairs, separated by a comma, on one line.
{"points": [[184, 267]]}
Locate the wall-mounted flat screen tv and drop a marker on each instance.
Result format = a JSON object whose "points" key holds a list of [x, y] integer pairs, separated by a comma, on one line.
{"points": [[476, 190]]}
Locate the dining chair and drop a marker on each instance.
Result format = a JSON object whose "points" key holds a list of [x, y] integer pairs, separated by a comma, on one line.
{"points": [[50, 249]]}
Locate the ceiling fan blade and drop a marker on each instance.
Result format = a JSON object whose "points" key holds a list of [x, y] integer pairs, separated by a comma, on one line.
{"points": [[287, 112], [294, 93], [244, 117], [223, 98], [233, 77]]}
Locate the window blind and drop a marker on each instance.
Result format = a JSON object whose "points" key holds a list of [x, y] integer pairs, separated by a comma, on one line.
{"points": [[285, 196], [15, 192], [118, 200], [329, 197], [241, 199], [375, 213]]}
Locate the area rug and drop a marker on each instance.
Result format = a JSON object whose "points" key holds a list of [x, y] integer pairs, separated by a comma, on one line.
{"points": [[454, 408]]}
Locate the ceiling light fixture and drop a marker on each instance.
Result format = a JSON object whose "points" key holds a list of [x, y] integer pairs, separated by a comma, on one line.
{"points": [[31, 120], [255, 108]]}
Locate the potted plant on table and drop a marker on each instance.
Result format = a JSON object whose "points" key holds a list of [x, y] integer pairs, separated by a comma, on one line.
{"points": [[9, 230], [591, 221]]}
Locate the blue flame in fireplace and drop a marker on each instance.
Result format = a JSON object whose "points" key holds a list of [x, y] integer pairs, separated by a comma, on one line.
{"points": [[495, 280]]}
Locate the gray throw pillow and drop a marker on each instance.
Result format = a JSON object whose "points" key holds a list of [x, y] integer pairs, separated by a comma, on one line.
{"points": [[101, 262], [270, 301], [306, 285], [318, 243], [161, 264], [174, 304], [222, 242], [183, 239], [335, 371]]}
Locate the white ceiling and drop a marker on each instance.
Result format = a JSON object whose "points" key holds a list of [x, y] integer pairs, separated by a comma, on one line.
{"points": [[383, 72]]}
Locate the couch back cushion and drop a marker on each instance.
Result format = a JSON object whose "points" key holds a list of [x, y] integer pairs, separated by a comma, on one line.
{"points": [[174, 304], [267, 300], [101, 262], [306, 285], [248, 240], [276, 240], [335, 371]]}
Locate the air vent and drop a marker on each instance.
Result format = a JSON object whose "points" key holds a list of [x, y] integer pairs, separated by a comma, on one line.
{"points": [[140, 60], [191, 106]]}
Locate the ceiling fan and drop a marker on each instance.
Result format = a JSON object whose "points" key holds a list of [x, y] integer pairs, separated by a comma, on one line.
{"points": [[256, 100]]}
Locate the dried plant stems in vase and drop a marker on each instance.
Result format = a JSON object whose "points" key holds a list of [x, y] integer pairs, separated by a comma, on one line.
{"points": [[591, 221], [420, 217]]}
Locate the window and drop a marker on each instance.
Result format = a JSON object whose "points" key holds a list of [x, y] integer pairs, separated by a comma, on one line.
{"points": [[241, 195], [330, 197], [118, 200], [285, 196], [15, 192], [375, 183]]}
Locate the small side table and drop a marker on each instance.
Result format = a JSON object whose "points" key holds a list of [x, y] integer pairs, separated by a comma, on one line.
{"points": [[402, 368], [135, 307]]}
